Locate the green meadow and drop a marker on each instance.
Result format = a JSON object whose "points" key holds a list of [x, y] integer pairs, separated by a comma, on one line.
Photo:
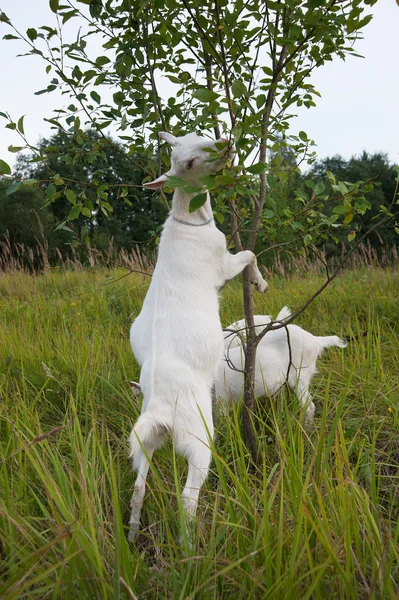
{"points": [[316, 519]]}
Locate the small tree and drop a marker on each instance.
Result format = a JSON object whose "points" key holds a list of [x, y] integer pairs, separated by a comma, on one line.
{"points": [[237, 68]]}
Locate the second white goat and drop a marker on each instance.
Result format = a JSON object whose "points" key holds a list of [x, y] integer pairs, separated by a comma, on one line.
{"points": [[273, 365]]}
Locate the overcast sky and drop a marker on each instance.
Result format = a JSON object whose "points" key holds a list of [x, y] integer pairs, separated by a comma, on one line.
{"points": [[358, 109]]}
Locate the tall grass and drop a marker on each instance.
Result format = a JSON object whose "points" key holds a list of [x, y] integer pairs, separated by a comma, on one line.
{"points": [[15, 257], [317, 519]]}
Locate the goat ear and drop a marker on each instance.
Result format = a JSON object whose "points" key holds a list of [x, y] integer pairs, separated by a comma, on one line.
{"points": [[157, 183], [168, 137]]}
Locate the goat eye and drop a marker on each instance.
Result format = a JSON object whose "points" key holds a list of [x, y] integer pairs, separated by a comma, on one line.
{"points": [[189, 165]]}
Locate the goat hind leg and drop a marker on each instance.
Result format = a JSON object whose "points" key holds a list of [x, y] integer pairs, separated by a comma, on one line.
{"points": [[142, 464], [305, 399], [199, 456]]}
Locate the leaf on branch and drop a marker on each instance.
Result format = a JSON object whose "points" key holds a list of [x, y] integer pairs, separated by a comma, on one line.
{"points": [[15, 148], [13, 188], [71, 196], [32, 34], [54, 4], [303, 136], [5, 169], [63, 226], [20, 125], [351, 236], [96, 97], [260, 167], [307, 239], [271, 181], [51, 190], [204, 95], [74, 212], [238, 88], [198, 201]]}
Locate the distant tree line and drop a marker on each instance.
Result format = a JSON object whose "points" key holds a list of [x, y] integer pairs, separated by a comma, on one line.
{"points": [[136, 215]]}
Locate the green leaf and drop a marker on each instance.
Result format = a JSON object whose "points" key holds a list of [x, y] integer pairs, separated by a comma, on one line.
{"points": [[309, 183], [219, 217], [51, 190], [237, 132], [204, 95], [271, 203], [5, 169], [330, 176], [271, 181], [225, 179], [260, 167], [238, 88], [71, 196], [119, 98], [340, 209], [20, 124], [63, 226], [15, 148], [74, 212], [319, 189], [176, 182], [307, 239], [268, 214], [13, 188], [198, 201], [86, 211], [32, 34], [54, 5], [351, 236], [303, 136], [102, 60], [208, 181], [96, 97], [260, 101]]}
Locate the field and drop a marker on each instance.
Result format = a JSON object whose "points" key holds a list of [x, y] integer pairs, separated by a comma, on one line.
{"points": [[318, 519]]}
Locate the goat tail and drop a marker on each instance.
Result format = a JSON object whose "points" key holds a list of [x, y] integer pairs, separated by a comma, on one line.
{"points": [[284, 313], [147, 432], [332, 340]]}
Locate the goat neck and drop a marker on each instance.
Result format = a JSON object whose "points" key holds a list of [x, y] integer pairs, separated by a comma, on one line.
{"points": [[181, 203]]}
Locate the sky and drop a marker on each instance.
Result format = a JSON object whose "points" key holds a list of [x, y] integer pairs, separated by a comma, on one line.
{"points": [[358, 110]]}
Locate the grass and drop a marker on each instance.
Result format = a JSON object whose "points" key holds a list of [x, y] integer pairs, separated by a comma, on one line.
{"points": [[318, 519]]}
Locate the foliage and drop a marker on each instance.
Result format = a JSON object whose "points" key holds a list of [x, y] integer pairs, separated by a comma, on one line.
{"points": [[100, 183], [237, 68], [318, 519], [366, 167], [25, 223]]}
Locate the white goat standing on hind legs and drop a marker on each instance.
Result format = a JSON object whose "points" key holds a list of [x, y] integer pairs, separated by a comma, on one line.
{"points": [[177, 338]]}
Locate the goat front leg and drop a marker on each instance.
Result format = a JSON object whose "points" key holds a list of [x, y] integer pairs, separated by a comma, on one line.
{"points": [[256, 278], [236, 263]]}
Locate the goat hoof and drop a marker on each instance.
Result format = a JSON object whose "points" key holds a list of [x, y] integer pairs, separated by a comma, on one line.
{"points": [[262, 286]]}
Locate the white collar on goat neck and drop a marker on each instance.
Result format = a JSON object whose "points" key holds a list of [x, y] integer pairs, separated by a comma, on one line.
{"points": [[192, 224]]}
